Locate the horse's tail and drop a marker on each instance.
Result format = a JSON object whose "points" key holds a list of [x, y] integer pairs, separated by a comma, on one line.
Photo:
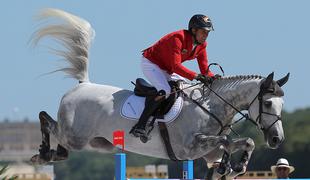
{"points": [[74, 34]]}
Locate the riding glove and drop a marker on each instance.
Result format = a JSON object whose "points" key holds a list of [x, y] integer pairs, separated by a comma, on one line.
{"points": [[217, 76], [204, 79]]}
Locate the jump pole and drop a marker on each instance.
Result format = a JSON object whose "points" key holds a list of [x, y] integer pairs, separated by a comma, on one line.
{"points": [[120, 168]]}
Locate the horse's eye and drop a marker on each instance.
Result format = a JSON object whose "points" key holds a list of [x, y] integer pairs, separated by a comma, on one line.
{"points": [[268, 103]]}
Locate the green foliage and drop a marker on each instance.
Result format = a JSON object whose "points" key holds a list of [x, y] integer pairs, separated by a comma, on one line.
{"points": [[3, 170], [296, 148], [297, 130]]}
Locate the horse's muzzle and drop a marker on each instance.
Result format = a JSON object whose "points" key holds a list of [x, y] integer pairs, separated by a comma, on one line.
{"points": [[275, 141]]}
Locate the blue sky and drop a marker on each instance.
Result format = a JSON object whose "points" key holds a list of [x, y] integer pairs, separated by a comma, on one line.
{"points": [[250, 37]]}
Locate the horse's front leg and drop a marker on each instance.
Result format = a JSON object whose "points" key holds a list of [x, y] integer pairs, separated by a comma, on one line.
{"points": [[247, 146], [228, 147], [210, 141], [219, 144]]}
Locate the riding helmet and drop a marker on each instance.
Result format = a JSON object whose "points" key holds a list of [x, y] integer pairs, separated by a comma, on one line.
{"points": [[200, 21]]}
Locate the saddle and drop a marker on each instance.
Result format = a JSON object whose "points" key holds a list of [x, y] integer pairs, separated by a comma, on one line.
{"points": [[144, 89]]}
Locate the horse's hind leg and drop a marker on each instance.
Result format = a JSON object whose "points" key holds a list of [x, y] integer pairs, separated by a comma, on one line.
{"points": [[45, 146], [46, 154]]}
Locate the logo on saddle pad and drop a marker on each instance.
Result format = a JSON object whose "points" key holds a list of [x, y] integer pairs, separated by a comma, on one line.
{"points": [[134, 105]]}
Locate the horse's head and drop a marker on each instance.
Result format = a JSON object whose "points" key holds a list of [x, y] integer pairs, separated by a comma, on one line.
{"points": [[266, 109]]}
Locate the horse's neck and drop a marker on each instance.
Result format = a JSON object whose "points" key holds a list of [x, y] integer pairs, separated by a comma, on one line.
{"points": [[239, 92]]}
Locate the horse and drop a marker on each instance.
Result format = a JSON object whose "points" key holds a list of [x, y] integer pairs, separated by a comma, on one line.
{"points": [[89, 113]]}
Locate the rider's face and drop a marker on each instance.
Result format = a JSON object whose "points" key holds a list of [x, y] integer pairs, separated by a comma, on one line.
{"points": [[201, 35]]}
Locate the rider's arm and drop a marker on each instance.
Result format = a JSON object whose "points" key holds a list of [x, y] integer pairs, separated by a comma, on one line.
{"points": [[175, 58], [203, 62]]}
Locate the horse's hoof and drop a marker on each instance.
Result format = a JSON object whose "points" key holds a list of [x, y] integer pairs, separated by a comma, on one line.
{"points": [[36, 159]]}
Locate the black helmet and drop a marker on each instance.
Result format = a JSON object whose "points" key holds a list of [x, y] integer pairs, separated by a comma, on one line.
{"points": [[200, 21]]}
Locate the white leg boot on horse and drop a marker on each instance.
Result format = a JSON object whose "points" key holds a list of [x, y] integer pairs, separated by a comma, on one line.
{"points": [[152, 104]]}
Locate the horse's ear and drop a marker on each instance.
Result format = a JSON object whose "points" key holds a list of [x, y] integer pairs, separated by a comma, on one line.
{"points": [[266, 84], [283, 80]]}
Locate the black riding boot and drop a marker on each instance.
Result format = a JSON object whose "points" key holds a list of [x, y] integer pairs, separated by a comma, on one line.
{"points": [[151, 105]]}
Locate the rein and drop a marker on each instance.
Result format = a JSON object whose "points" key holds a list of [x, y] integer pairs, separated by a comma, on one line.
{"points": [[206, 110]]}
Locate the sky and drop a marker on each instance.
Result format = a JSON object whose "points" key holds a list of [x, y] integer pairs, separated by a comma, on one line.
{"points": [[250, 37]]}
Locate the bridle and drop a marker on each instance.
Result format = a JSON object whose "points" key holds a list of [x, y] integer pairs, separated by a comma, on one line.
{"points": [[256, 122]]}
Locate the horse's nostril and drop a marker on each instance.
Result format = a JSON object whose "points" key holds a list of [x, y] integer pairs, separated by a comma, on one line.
{"points": [[275, 139]]}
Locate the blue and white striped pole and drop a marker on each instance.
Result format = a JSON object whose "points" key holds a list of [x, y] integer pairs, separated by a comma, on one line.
{"points": [[120, 166], [188, 169]]}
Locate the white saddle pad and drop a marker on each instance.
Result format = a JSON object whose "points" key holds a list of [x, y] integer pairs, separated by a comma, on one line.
{"points": [[134, 105]]}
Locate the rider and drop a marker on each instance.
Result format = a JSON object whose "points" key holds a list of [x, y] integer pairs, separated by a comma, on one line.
{"points": [[165, 58]]}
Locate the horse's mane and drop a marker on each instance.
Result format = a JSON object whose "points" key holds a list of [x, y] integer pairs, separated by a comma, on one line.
{"points": [[244, 77], [230, 82], [231, 79]]}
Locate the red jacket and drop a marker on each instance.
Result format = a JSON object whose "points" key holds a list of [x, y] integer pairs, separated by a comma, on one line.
{"points": [[173, 49]]}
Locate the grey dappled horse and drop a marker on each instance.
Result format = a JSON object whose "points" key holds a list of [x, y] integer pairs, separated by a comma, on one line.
{"points": [[89, 113]]}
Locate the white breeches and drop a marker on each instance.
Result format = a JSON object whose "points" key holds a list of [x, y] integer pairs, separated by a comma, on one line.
{"points": [[158, 77]]}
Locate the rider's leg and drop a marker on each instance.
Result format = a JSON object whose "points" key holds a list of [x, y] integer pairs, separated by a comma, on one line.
{"points": [[159, 79], [156, 76], [150, 108]]}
